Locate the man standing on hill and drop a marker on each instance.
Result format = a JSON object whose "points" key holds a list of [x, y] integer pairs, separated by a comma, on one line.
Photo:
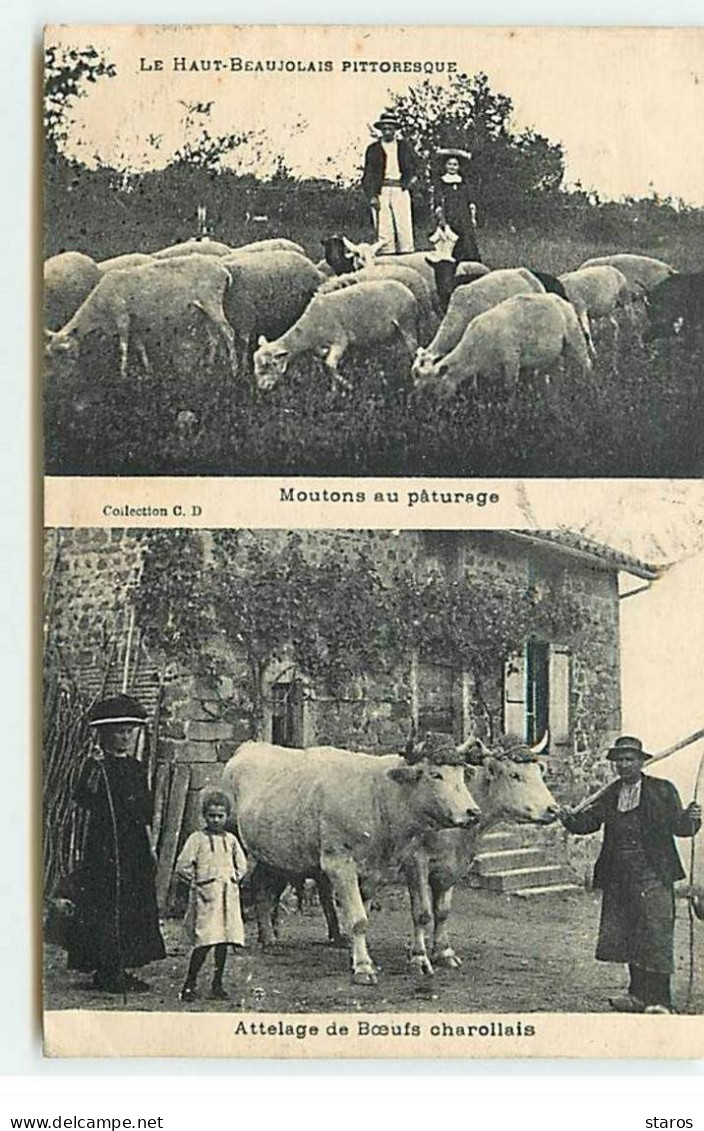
{"points": [[389, 173]]}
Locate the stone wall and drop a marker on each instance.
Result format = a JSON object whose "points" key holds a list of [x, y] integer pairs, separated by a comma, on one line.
{"points": [[91, 574]]}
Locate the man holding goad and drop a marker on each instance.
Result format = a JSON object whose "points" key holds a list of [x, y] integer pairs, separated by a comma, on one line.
{"points": [[389, 174], [636, 871]]}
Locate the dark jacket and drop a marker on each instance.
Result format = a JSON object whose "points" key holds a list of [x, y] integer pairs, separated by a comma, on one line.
{"points": [[375, 167], [661, 818]]}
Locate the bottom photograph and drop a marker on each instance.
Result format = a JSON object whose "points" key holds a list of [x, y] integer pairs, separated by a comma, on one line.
{"points": [[320, 772]]}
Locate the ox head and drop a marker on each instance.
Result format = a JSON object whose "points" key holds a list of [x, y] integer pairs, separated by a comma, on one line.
{"points": [[270, 362], [509, 781], [432, 776], [337, 255]]}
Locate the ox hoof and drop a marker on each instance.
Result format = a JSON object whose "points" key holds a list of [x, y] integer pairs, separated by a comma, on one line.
{"points": [[364, 978], [449, 960], [421, 966]]}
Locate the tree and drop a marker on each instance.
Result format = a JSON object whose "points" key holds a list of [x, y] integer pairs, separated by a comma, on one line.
{"points": [[513, 172], [66, 73]]}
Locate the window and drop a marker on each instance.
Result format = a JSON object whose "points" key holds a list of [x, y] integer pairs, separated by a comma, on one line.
{"points": [[439, 699], [537, 694], [287, 713]]}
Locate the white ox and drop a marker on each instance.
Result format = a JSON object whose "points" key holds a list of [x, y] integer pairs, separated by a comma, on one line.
{"points": [[349, 815], [508, 785]]}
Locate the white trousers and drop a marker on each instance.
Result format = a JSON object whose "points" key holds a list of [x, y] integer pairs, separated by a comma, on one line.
{"points": [[395, 220]]}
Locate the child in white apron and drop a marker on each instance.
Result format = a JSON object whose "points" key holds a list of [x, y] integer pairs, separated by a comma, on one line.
{"points": [[213, 862]]}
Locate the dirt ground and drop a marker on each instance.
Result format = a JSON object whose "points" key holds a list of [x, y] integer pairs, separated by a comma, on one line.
{"points": [[518, 955]]}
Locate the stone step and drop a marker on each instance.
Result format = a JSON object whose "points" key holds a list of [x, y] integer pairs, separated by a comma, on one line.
{"points": [[503, 859], [549, 889], [516, 836], [515, 878]]}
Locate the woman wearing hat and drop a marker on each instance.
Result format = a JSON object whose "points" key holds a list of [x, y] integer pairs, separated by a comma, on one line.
{"points": [[453, 201], [116, 925], [389, 173], [637, 868]]}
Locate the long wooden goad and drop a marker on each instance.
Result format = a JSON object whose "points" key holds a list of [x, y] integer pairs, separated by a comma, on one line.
{"points": [[654, 758]]}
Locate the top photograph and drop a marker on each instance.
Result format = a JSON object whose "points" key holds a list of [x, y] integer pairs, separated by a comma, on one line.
{"points": [[373, 251]]}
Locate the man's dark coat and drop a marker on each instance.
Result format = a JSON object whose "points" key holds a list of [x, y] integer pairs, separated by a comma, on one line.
{"points": [[375, 167], [661, 818]]}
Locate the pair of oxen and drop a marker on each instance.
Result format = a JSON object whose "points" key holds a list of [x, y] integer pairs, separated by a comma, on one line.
{"points": [[350, 820]]}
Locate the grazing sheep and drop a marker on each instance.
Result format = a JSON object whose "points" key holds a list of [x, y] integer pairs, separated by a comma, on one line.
{"points": [[122, 262], [642, 272], [449, 274], [553, 285], [367, 314], [140, 301], [406, 275], [274, 244], [369, 254], [528, 331], [325, 269], [68, 280], [597, 292], [193, 247], [466, 304], [337, 254], [268, 293]]}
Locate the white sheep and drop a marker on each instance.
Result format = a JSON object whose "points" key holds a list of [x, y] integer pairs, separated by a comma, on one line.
{"points": [[68, 280], [528, 331], [642, 272], [371, 254], [367, 314], [140, 301], [274, 244], [122, 262], [193, 247], [466, 303], [380, 270], [597, 292], [268, 293]]}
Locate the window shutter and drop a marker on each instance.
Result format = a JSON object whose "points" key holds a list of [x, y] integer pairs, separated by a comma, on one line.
{"points": [[515, 696], [559, 708]]}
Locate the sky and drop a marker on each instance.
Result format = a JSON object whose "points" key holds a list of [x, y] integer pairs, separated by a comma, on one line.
{"points": [[627, 104]]}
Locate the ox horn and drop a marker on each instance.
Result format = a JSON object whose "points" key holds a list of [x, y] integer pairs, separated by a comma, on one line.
{"points": [[472, 746], [348, 245], [542, 745]]}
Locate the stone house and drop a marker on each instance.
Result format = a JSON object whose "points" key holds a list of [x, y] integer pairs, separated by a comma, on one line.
{"points": [[567, 687]]}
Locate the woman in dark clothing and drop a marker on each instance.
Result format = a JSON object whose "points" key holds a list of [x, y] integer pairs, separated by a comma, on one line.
{"points": [[636, 870], [116, 924], [453, 200]]}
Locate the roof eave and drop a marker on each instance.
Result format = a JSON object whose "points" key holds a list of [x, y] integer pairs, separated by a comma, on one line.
{"points": [[623, 563]]}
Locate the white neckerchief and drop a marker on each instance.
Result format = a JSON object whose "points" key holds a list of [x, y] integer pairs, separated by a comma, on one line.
{"points": [[452, 178], [629, 796], [393, 170]]}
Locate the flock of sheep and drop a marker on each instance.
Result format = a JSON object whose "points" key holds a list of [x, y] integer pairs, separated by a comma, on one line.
{"points": [[267, 303]]}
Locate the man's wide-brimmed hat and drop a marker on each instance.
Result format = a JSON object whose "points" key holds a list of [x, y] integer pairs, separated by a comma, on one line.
{"points": [[627, 744], [118, 709], [387, 119]]}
